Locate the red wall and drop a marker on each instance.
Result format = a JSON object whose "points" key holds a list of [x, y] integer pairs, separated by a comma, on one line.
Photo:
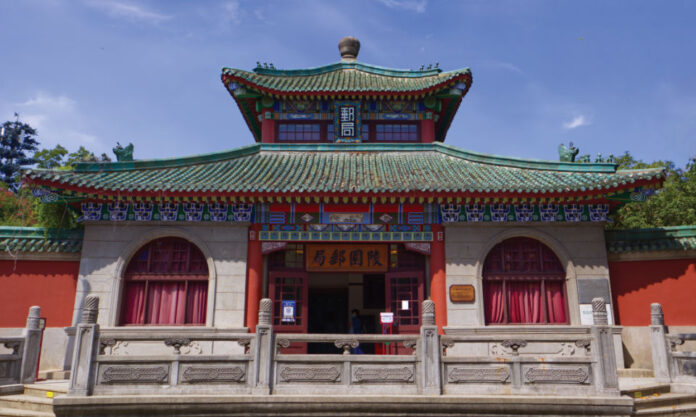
{"points": [[637, 284], [48, 284]]}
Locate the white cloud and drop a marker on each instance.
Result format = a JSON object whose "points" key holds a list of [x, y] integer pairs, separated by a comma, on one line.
{"points": [[411, 5], [121, 9], [576, 122], [58, 120], [231, 11]]}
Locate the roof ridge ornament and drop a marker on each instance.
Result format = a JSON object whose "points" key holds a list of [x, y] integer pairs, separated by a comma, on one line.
{"points": [[349, 47]]}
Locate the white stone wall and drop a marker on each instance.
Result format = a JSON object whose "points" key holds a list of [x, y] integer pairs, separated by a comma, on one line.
{"points": [[580, 248], [107, 248]]}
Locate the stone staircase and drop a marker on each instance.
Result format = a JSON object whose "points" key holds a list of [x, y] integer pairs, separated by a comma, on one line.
{"points": [[652, 398], [35, 401]]}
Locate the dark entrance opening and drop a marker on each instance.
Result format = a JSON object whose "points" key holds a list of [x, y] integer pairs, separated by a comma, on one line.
{"points": [[328, 312]]}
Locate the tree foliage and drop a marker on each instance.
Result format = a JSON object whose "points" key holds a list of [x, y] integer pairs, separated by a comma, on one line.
{"points": [[16, 139], [673, 205]]}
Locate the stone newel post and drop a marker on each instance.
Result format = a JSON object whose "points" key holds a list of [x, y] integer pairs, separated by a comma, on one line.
{"points": [[604, 355], [429, 352], [86, 349], [661, 352], [264, 349], [32, 346]]}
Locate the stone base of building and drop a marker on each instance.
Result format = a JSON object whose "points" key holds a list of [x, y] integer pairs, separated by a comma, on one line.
{"points": [[343, 406]]}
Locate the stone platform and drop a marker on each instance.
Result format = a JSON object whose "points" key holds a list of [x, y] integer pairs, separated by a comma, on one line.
{"points": [[340, 406]]}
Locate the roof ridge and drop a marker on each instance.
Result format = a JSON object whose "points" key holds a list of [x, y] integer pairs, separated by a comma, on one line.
{"points": [[373, 69], [38, 232], [446, 149]]}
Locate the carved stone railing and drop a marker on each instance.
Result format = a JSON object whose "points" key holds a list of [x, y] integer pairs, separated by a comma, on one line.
{"points": [[577, 362], [345, 372], [525, 360], [669, 364], [19, 362], [174, 362]]}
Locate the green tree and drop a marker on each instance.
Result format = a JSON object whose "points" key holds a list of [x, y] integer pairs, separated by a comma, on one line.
{"points": [[672, 205], [50, 158], [16, 139], [83, 155]]}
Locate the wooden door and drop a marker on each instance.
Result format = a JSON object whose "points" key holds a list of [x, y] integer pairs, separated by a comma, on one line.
{"points": [[290, 285], [405, 287]]}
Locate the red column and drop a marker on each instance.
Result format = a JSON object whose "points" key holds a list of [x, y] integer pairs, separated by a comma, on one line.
{"points": [[267, 129], [438, 282], [428, 130], [254, 278]]}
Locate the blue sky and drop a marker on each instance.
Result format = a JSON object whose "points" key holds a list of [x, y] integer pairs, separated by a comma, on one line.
{"points": [[609, 76]]}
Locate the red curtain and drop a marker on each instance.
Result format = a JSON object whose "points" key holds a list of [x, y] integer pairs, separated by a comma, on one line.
{"points": [[197, 302], [524, 302], [133, 308], [555, 302], [168, 303], [494, 302]]}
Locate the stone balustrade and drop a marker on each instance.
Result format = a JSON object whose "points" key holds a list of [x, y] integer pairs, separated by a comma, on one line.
{"points": [[20, 360], [107, 362], [670, 364]]}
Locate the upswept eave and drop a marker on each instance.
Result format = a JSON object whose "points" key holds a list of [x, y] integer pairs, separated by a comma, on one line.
{"points": [[432, 170]]}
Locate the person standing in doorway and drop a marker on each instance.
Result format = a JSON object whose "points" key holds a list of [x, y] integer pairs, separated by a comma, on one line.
{"points": [[356, 328]]}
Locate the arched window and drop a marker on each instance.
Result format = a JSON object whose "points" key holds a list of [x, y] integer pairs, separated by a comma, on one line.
{"points": [[166, 283], [524, 282]]}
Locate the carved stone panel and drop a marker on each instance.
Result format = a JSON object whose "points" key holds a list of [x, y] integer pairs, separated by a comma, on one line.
{"points": [[478, 373], [309, 373], [579, 374], [5, 367], [687, 366], [212, 373], [132, 374], [383, 374]]}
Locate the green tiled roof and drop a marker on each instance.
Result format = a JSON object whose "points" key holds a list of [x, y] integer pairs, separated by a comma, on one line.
{"points": [[656, 239], [38, 239], [433, 169], [344, 78]]}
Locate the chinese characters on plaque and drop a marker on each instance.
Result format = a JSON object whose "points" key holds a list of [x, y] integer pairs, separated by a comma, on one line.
{"points": [[347, 124], [357, 258]]}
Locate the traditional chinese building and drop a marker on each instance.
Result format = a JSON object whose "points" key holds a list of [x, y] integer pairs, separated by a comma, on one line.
{"points": [[348, 198]]}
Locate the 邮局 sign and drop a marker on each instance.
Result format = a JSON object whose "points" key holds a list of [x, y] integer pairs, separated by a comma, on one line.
{"points": [[347, 258]]}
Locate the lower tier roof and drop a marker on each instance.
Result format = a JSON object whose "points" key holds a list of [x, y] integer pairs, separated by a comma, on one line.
{"points": [[432, 170]]}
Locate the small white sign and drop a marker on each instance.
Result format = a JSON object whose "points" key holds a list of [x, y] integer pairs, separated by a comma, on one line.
{"points": [[386, 317], [586, 317], [404, 304]]}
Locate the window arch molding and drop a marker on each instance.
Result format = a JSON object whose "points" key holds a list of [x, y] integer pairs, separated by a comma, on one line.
{"points": [[146, 237], [552, 243]]}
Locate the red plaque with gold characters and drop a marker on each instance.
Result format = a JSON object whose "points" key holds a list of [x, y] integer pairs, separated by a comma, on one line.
{"points": [[462, 293], [347, 258]]}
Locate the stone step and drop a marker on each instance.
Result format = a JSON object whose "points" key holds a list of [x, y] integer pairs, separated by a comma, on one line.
{"points": [[54, 374], [640, 391], [635, 373], [11, 412], [671, 411], [27, 403], [664, 402], [46, 390]]}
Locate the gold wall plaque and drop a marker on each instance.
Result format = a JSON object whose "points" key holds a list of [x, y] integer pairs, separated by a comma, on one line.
{"points": [[462, 293]]}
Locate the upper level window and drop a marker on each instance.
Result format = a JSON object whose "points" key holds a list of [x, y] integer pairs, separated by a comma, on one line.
{"points": [[397, 132], [524, 283], [310, 132], [166, 283]]}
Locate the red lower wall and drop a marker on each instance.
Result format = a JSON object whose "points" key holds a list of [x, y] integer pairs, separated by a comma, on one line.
{"points": [[48, 284], [637, 284]]}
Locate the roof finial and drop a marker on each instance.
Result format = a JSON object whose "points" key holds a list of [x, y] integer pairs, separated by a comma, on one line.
{"points": [[349, 48]]}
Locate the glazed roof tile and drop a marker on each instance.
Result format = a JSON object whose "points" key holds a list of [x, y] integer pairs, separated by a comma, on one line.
{"points": [[654, 239], [345, 78], [39, 240], [354, 169]]}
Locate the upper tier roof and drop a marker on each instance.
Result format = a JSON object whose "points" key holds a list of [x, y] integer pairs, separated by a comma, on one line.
{"points": [[346, 79], [260, 171]]}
